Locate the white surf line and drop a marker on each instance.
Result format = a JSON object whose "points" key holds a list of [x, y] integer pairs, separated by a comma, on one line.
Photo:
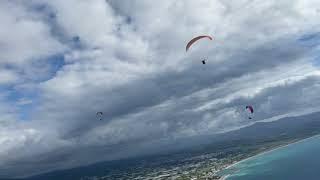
{"points": [[271, 150]]}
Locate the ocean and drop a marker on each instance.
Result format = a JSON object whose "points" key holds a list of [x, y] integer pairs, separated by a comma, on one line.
{"points": [[296, 161]]}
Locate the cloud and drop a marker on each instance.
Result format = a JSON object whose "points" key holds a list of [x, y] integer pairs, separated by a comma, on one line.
{"points": [[25, 37], [7, 77], [24, 101], [62, 62]]}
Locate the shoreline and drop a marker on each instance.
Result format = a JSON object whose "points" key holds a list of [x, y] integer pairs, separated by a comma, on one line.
{"points": [[264, 152], [224, 177]]}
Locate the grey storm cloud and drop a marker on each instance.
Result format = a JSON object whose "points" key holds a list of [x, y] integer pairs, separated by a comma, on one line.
{"points": [[128, 60]]}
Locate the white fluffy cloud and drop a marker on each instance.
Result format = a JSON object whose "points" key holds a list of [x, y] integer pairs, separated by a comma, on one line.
{"points": [[128, 60], [24, 37]]}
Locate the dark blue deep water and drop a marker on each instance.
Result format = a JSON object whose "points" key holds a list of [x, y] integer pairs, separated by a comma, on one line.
{"points": [[293, 162]]}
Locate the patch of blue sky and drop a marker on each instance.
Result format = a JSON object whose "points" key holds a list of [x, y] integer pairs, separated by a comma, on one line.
{"points": [[56, 63], [316, 59], [43, 70], [25, 101], [26, 109], [312, 40], [20, 101]]}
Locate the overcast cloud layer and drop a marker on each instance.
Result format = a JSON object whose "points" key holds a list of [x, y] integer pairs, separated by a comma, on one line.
{"points": [[62, 61]]}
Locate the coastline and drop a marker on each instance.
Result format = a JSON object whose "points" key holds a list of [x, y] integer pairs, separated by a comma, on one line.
{"points": [[264, 152], [224, 177]]}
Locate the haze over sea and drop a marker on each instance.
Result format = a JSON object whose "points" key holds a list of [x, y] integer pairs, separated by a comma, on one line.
{"points": [[296, 161]]}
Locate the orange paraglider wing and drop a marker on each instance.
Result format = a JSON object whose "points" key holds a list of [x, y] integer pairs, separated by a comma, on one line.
{"points": [[196, 39]]}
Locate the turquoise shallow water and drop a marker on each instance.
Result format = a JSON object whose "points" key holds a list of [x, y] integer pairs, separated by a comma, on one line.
{"points": [[294, 162]]}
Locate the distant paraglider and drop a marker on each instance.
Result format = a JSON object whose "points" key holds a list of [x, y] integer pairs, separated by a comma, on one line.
{"points": [[192, 41], [250, 109], [99, 115]]}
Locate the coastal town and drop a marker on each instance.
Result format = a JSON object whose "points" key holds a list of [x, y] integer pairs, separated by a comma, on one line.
{"points": [[202, 167]]}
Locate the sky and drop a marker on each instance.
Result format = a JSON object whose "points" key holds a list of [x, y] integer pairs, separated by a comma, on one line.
{"points": [[63, 61]]}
